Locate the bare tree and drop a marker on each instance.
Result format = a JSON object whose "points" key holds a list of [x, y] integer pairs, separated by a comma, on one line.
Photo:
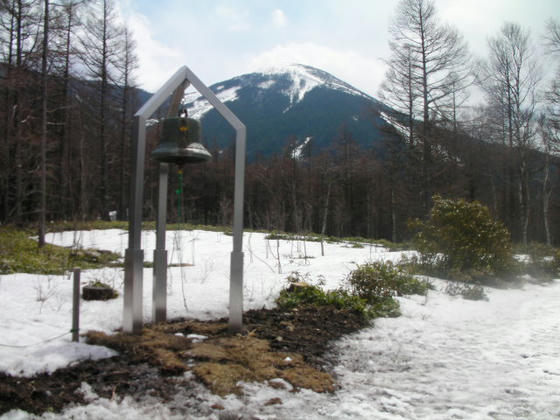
{"points": [[552, 36], [20, 27], [550, 135], [549, 125], [428, 65], [126, 66], [100, 49], [510, 78], [399, 90], [44, 75]]}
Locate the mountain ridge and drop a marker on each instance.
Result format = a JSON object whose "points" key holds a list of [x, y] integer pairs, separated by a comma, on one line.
{"points": [[280, 103]]}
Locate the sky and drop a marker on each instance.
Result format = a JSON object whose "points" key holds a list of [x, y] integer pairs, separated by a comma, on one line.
{"points": [[221, 39]]}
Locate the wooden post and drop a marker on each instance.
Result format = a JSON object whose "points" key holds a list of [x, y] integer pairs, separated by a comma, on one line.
{"points": [[76, 306]]}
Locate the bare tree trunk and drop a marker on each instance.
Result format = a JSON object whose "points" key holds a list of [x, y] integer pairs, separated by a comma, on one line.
{"points": [[393, 217], [325, 216], [524, 202], [546, 201], [8, 124], [83, 207], [16, 116], [494, 196], [43, 205], [546, 187]]}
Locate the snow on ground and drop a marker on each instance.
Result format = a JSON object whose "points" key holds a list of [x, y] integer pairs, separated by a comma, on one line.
{"points": [[444, 358]]}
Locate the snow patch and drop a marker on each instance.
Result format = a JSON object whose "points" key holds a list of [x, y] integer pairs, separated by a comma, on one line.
{"points": [[297, 153], [267, 85], [444, 358], [304, 79], [198, 106], [401, 128]]}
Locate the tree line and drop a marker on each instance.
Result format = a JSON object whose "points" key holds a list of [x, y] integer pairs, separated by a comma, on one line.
{"points": [[430, 76], [68, 91]]}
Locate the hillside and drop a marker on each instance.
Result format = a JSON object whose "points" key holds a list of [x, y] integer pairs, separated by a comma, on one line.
{"points": [[289, 102]]}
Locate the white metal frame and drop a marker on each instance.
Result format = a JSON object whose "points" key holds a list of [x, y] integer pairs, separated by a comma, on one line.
{"points": [[134, 255]]}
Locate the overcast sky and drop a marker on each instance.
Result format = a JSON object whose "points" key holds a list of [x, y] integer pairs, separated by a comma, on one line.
{"points": [[220, 39]]}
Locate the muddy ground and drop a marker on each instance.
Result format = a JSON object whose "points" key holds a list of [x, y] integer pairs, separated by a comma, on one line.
{"points": [[304, 333]]}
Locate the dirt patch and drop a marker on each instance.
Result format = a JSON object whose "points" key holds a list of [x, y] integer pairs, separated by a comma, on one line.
{"points": [[109, 378], [292, 345], [306, 330], [249, 359]]}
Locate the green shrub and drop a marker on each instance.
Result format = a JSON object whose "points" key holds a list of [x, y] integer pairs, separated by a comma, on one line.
{"points": [[461, 235], [544, 261], [377, 281], [300, 293], [467, 291]]}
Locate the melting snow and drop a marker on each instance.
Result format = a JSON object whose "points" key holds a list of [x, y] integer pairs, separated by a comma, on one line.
{"points": [[298, 151], [197, 106], [401, 128], [304, 79], [266, 85], [443, 358]]}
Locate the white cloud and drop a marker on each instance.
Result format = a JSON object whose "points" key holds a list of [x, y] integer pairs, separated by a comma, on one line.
{"points": [[361, 71], [235, 20], [279, 18], [157, 61]]}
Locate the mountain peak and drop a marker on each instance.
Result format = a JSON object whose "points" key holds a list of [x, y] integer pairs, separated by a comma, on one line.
{"points": [[305, 78], [308, 106], [294, 81]]}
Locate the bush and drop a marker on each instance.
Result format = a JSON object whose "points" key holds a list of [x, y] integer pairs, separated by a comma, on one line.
{"points": [[463, 236], [300, 293], [467, 291], [97, 290], [545, 261], [377, 281]]}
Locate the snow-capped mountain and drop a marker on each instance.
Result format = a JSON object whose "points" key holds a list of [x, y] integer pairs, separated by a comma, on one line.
{"points": [[282, 103]]}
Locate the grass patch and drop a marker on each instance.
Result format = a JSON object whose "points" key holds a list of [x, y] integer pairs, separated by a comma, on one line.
{"points": [[283, 236], [123, 225], [155, 347], [352, 242], [21, 254], [220, 362], [228, 360]]}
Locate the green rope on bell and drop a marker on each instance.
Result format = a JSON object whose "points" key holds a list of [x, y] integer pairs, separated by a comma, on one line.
{"points": [[179, 193]]}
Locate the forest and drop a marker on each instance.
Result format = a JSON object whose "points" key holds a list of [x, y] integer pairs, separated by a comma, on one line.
{"points": [[68, 92]]}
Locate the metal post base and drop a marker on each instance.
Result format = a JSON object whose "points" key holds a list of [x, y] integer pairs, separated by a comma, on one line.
{"points": [[159, 294], [236, 292], [132, 315]]}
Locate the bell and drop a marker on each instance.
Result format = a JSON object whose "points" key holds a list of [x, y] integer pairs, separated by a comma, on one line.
{"points": [[180, 142]]}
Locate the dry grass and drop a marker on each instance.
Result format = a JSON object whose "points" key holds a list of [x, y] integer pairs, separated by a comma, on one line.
{"points": [[221, 362], [192, 327], [157, 348], [248, 359]]}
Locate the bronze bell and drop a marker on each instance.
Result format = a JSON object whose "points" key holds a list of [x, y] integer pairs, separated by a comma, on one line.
{"points": [[180, 142]]}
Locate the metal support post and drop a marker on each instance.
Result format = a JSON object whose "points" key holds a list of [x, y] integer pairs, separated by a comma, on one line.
{"points": [[159, 295], [134, 255], [76, 306], [236, 269]]}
